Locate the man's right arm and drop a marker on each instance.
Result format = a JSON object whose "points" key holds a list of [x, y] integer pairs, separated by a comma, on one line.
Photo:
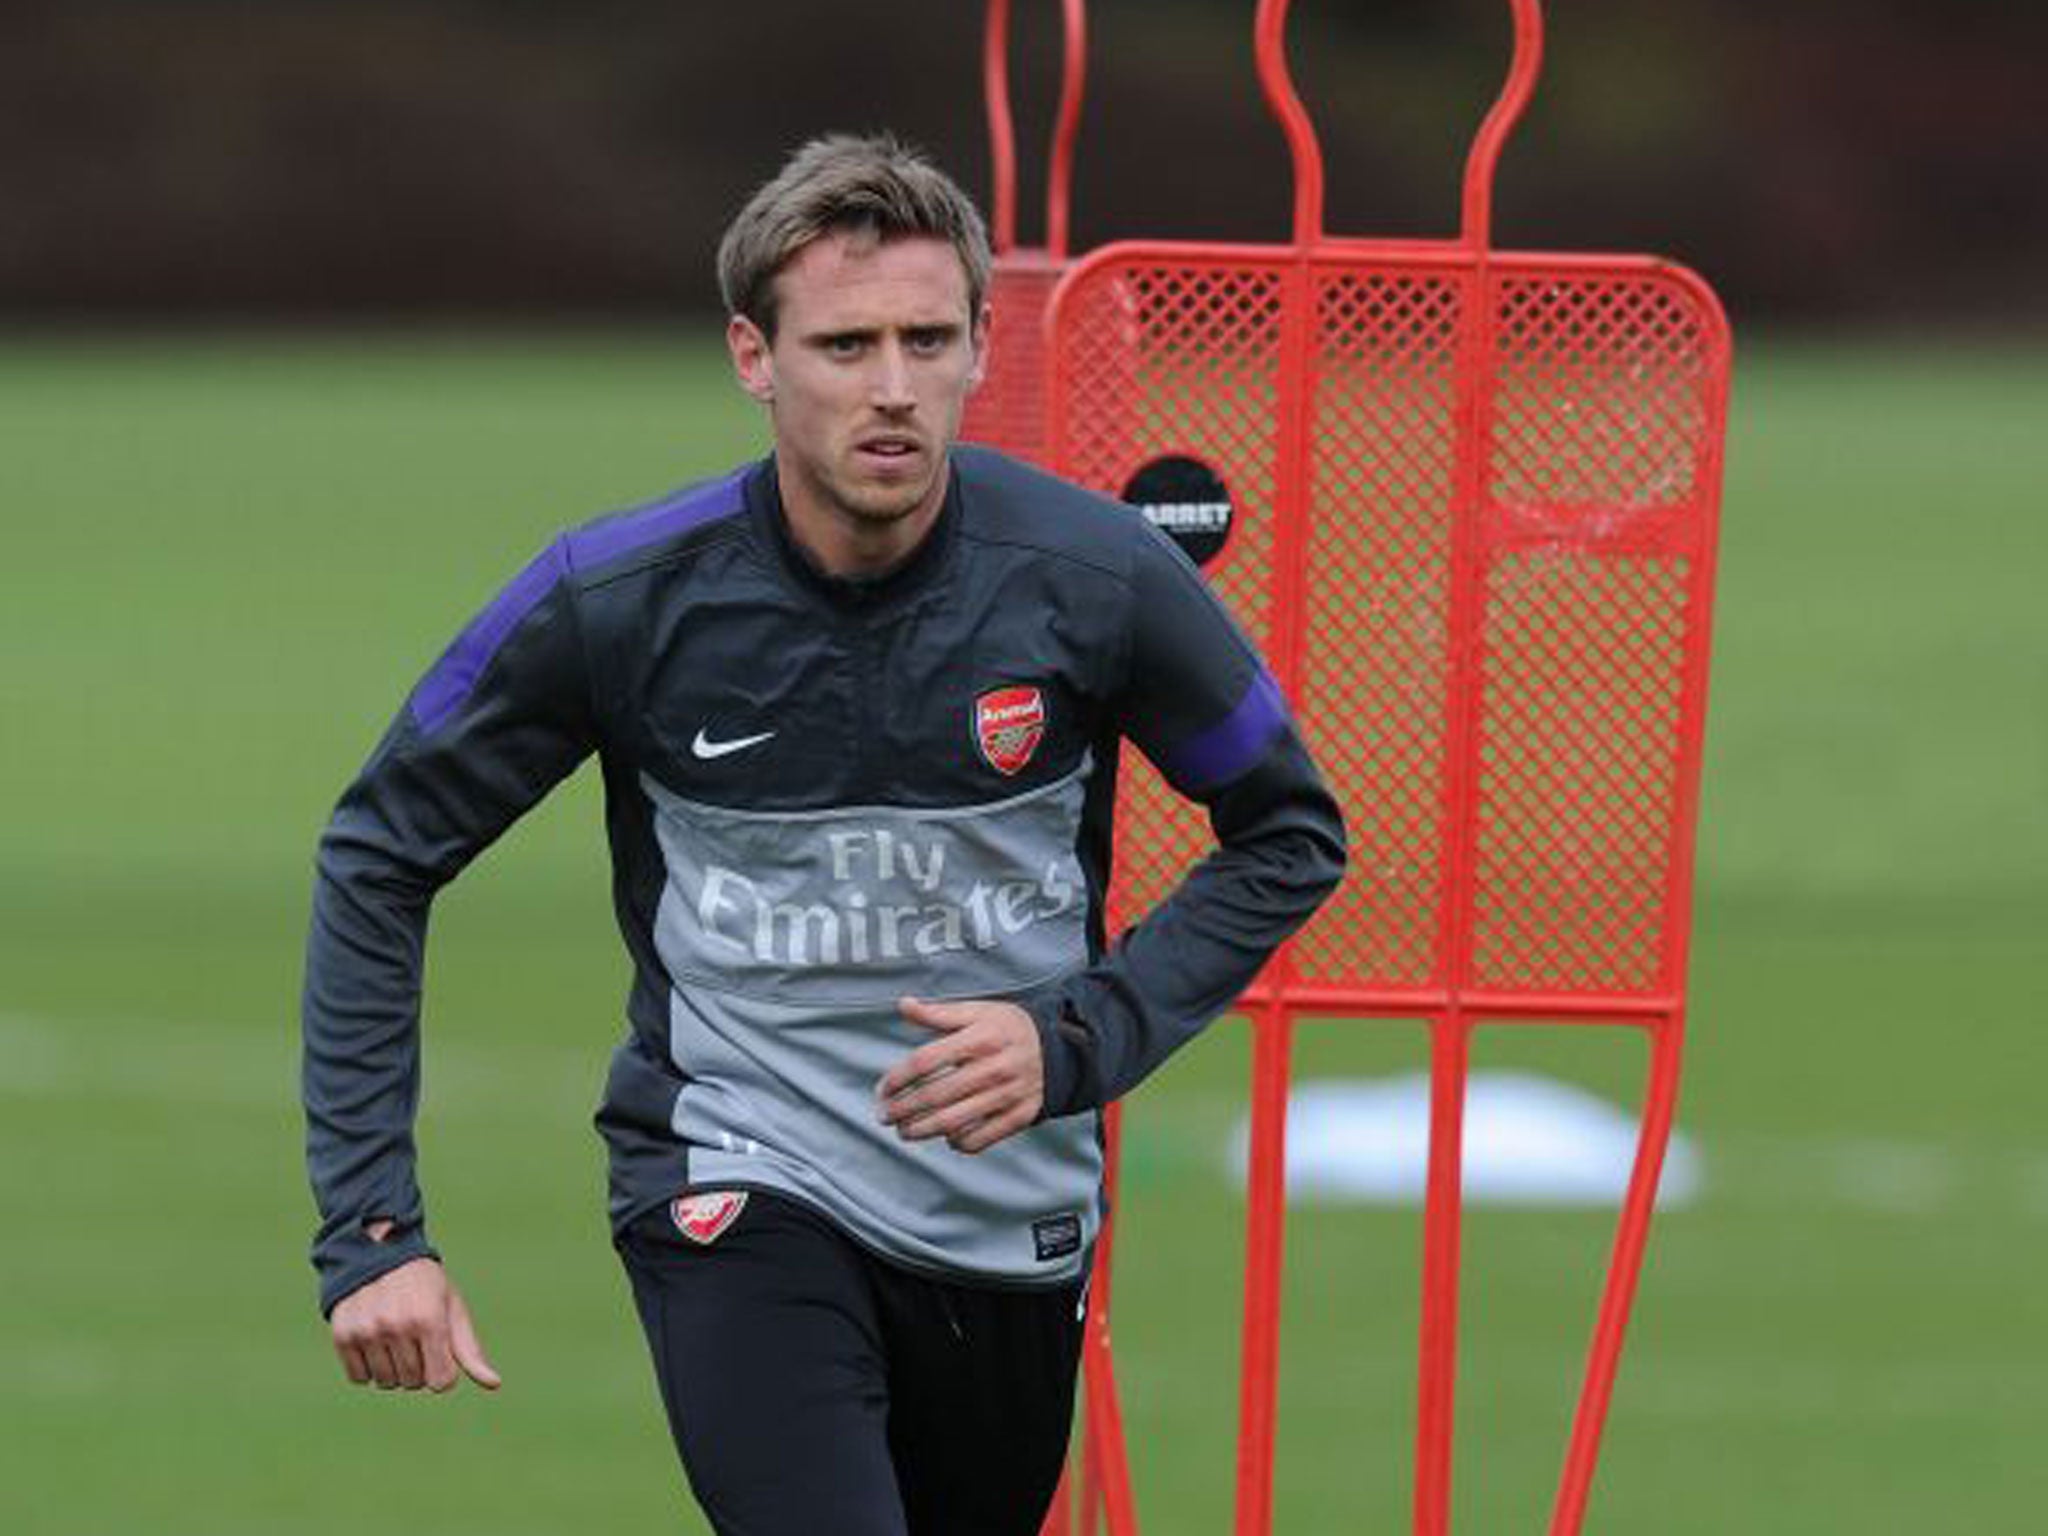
{"points": [[498, 721], [409, 1328]]}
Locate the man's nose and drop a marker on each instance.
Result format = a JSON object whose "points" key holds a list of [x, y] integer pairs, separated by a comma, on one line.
{"points": [[891, 384]]}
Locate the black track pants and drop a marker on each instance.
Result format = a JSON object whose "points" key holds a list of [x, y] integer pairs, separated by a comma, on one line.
{"points": [[814, 1390]]}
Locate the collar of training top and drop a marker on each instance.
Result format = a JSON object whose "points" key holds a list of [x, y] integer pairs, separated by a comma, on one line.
{"points": [[854, 594]]}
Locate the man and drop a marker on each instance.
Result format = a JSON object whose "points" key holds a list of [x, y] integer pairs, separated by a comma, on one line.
{"points": [[858, 709]]}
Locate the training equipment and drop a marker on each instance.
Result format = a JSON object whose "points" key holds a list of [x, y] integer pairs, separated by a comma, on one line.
{"points": [[1466, 500], [1008, 411]]}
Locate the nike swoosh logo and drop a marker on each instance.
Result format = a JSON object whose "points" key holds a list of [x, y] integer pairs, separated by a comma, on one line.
{"points": [[704, 747]]}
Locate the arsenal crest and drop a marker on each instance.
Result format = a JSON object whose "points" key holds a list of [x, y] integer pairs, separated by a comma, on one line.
{"points": [[701, 1218], [1009, 723]]}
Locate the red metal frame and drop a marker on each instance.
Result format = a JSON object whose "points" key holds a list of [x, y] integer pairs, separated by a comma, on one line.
{"points": [[1009, 409], [1478, 492]]}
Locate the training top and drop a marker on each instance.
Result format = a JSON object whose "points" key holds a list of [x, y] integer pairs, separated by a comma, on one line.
{"points": [[823, 795]]}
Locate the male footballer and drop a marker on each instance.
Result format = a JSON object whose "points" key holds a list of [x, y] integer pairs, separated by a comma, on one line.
{"points": [[858, 708]]}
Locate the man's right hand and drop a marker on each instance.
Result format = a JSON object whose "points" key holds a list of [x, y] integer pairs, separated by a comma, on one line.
{"points": [[410, 1328]]}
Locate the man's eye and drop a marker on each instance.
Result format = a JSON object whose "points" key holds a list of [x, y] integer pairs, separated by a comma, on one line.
{"points": [[928, 343], [843, 346]]}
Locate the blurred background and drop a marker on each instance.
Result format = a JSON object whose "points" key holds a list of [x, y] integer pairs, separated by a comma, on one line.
{"points": [[1874, 164], [316, 318]]}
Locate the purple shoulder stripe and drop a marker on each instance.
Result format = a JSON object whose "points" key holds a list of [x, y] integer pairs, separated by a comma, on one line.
{"points": [[442, 691], [664, 519], [447, 686], [1234, 743]]}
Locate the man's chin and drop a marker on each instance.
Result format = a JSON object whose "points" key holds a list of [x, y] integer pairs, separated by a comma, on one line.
{"points": [[873, 503]]}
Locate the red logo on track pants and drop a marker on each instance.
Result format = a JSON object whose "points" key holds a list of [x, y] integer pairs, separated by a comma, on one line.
{"points": [[1009, 723], [701, 1218]]}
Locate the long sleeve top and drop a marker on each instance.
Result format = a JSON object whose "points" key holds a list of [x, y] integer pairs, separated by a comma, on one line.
{"points": [[823, 795]]}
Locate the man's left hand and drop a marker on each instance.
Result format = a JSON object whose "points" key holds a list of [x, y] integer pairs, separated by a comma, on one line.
{"points": [[981, 1080]]}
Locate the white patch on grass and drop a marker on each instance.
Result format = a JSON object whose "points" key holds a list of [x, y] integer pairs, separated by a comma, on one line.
{"points": [[1528, 1140], [1531, 1140]]}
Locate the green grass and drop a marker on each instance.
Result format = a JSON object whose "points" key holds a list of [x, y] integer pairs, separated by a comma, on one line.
{"points": [[227, 558]]}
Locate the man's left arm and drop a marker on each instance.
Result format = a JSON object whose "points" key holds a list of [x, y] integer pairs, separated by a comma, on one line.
{"points": [[1200, 704]]}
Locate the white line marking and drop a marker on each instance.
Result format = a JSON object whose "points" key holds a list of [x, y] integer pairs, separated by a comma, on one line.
{"points": [[256, 1068]]}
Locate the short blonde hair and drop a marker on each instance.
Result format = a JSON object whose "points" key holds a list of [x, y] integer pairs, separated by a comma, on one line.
{"points": [[873, 185]]}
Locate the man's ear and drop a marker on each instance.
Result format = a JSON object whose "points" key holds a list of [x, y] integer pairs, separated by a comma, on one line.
{"points": [[977, 337], [753, 360]]}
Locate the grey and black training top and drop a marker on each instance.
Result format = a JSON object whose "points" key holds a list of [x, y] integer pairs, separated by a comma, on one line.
{"points": [[823, 795]]}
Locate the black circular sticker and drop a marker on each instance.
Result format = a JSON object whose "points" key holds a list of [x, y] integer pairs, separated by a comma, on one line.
{"points": [[1187, 501]]}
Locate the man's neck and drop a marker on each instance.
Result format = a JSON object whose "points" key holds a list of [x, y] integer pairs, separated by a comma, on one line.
{"points": [[843, 545]]}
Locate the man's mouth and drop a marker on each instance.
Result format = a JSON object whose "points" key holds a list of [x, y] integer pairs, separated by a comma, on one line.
{"points": [[890, 448]]}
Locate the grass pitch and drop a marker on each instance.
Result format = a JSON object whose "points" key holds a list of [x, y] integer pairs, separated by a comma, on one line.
{"points": [[226, 561]]}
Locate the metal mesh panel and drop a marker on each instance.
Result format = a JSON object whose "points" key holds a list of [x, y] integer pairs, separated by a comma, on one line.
{"points": [[1600, 402], [1579, 757], [1372, 697], [1159, 359], [1599, 421], [1008, 411], [1182, 360], [1599, 432]]}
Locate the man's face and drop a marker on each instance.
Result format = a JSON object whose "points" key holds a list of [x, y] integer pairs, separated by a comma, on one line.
{"points": [[874, 355]]}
